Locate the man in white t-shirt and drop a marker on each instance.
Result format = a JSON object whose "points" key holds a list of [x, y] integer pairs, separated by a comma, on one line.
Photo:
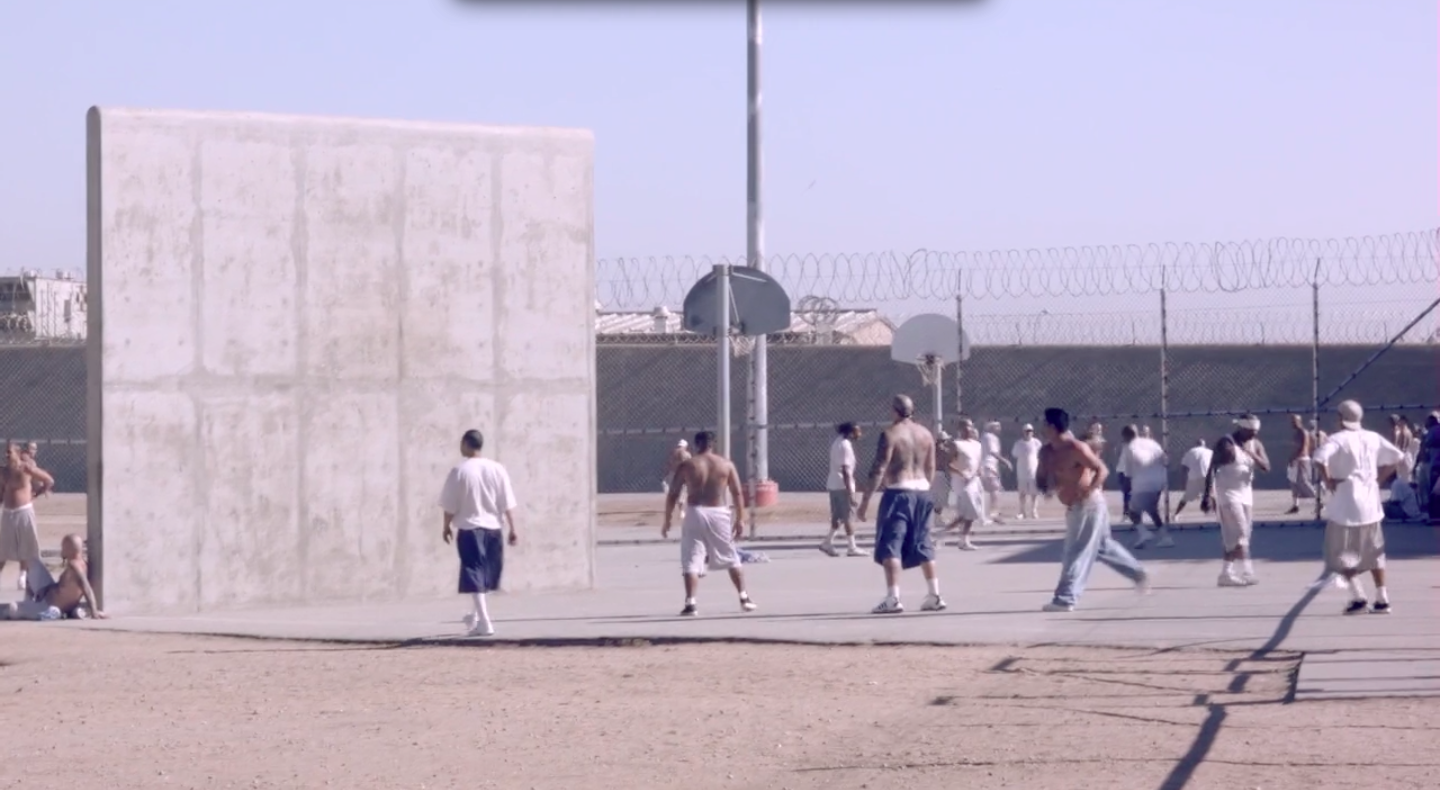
{"points": [[1403, 504], [1196, 463], [1026, 452], [992, 457], [966, 495], [1145, 463], [1352, 463], [840, 484], [1229, 490], [477, 498]]}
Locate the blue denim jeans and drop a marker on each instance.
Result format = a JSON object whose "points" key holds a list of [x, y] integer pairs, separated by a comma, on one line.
{"points": [[1087, 539]]}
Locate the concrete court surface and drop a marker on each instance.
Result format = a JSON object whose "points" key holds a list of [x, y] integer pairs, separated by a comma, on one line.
{"points": [[994, 595]]}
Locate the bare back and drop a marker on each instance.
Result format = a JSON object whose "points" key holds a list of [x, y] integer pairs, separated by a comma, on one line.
{"points": [[707, 477], [906, 454], [19, 482], [69, 589], [1301, 439], [1071, 466]]}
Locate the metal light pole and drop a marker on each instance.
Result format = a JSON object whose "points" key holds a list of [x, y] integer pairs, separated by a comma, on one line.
{"points": [[722, 335], [755, 255]]}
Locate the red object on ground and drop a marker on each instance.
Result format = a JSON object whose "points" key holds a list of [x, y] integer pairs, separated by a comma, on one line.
{"points": [[767, 493]]}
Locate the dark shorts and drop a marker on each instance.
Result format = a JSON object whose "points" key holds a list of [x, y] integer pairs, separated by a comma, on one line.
{"points": [[902, 528], [482, 557]]}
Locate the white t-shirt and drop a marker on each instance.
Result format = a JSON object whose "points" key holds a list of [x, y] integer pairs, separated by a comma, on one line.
{"points": [[1401, 491], [842, 454], [1234, 483], [477, 493], [1353, 458], [1144, 462], [990, 451], [1026, 453], [965, 458], [1197, 462]]}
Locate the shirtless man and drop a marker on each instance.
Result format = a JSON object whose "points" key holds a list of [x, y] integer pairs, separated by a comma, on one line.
{"points": [[904, 465], [1071, 470], [1300, 468], [18, 540], [678, 455], [709, 529], [51, 599]]}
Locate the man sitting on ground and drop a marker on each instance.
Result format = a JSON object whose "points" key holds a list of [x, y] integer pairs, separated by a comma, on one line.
{"points": [[49, 599]]}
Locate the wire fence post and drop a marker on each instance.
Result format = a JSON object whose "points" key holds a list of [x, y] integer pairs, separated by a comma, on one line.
{"points": [[960, 330], [1165, 385], [1315, 377], [758, 411]]}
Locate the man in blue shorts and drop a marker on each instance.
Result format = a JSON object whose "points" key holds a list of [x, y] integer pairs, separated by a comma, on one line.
{"points": [[904, 466]]}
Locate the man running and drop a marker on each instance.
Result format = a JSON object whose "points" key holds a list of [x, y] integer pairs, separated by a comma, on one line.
{"points": [[904, 465], [991, 459], [18, 539], [841, 486], [1196, 463], [710, 529], [1071, 470], [1300, 469], [966, 495], [1026, 452], [1352, 463], [1230, 491], [1149, 476], [476, 498]]}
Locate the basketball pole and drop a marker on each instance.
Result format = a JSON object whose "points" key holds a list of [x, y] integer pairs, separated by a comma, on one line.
{"points": [[759, 433], [722, 335]]}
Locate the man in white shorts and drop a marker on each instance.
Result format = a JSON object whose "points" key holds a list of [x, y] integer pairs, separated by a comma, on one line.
{"points": [[1352, 463], [710, 529], [967, 498], [20, 479], [1145, 461], [1026, 453], [1229, 488], [1196, 463], [991, 459], [840, 485]]}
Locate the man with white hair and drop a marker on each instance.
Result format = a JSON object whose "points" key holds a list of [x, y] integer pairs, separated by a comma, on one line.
{"points": [[1026, 453], [991, 458], [1352, 463]]}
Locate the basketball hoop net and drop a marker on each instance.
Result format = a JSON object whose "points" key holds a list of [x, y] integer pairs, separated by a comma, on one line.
{"points": [[930, 367], [741, 345]]}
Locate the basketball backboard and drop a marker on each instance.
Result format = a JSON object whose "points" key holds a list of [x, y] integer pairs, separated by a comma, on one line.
{"points": [[929, 334], [758, 304]]}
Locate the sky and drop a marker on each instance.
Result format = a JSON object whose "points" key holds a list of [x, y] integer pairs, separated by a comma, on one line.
{"points": [[944, 126]]}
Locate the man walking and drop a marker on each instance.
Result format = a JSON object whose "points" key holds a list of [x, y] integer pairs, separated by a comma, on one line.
{"points": [[1352, 463], [841, 486], [1230, 491], [1145, 459], [1300, 469], [476, 498], [991, 459], [710, 529], [1196, 463], [966, 496], [1026, 453], [1071, 470], [904, 465], [19, 480]]}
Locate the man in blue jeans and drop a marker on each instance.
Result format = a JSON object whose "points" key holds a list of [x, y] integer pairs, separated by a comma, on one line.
{"points": [[1070, 470]]}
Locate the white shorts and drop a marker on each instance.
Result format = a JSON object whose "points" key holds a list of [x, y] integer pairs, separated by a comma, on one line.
{"points": [[1236, 523], [18, 541], [967, 500], [707, 532], [1025, 483], [1194, 489]]}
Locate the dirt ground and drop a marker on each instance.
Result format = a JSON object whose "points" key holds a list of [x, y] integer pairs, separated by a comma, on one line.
{"points": [[113, 710]]}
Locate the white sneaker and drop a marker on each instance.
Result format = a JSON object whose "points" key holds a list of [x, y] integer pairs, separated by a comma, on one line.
{"points": [[889, 606], [854, 551], [964, 544], [829, 548], [1143, 537], [1249, 578], [481, 629], [933, 603], [747, 605], [1231, 579], [471, 621], [1165, 542], [21, 583], [1142, 584], [1056, 606]]}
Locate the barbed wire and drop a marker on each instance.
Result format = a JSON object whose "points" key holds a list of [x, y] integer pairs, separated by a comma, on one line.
{"points": [[1203, 267]]}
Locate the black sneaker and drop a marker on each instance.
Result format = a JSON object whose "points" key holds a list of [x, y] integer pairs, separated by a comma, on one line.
{"points": [[1358, 606], [689, 610], [1380, 607]]}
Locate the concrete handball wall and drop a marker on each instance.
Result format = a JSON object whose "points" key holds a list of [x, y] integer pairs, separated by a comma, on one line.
{"points": [[293, 321]]}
